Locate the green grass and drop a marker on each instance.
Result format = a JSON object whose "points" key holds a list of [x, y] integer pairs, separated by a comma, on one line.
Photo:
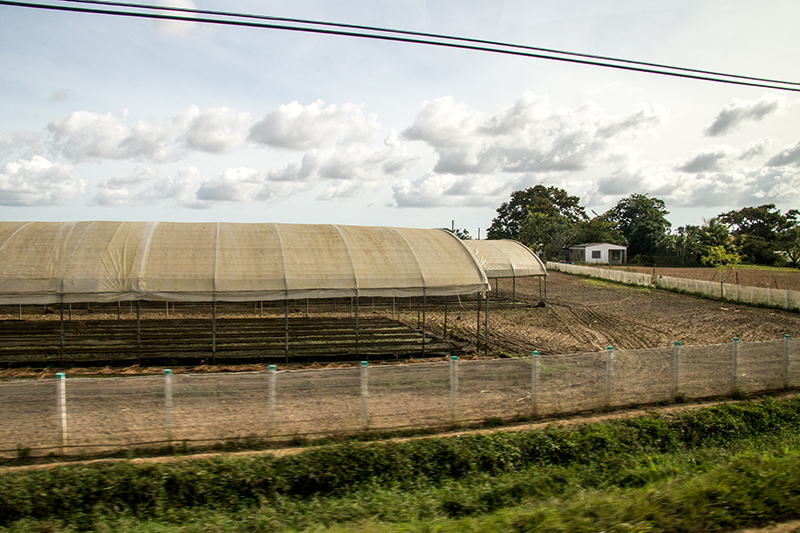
{"points": [[769, 268], [715, 468], [610, 284]]}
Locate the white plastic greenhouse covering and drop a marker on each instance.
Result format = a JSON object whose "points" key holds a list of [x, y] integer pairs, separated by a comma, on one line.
{"points": [[506, 258], [70, 262]]}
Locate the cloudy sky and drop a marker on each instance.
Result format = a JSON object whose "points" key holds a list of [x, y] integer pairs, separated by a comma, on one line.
{"points": [[116, 118]]}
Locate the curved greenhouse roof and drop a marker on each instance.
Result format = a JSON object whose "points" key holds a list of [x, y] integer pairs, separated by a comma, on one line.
{"points": [[51, 262], [506, 258]]}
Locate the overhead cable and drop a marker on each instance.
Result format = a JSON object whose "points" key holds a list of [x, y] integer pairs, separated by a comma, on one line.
{"points": [[424, 34], [403, 36]]}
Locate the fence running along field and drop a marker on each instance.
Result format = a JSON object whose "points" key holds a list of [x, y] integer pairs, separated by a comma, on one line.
{"points": [[785, 299], [86, 415]]}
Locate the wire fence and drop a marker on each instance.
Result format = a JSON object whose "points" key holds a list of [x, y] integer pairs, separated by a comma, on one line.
{"points": [[785, 298], [88, 415]]}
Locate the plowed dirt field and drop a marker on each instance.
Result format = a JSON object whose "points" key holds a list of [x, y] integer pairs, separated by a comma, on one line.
{"points": [[585, 315]]}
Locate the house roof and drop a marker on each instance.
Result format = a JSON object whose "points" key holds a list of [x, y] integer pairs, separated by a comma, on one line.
{"points": [[591, 244]]}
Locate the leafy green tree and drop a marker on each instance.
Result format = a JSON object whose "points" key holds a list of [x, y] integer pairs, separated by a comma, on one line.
{"points": [[642, 221], [789, 243], [548, 201], [597, 229], [724, 259], [714, 232], [462, 234], [685, 245], [762, 231], [546, 233]]}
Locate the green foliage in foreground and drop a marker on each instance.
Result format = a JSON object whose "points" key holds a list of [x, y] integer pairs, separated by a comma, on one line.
{"points": [[433, 479]]}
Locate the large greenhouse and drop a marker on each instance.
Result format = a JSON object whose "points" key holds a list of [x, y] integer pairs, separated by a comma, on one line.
{"points": [[61, 265]]}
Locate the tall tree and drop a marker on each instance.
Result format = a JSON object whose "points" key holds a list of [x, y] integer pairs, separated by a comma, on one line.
{"points": [[597, 229], [642, 220], [685, 245], [546, 233], [762, 231], [548, 201]]}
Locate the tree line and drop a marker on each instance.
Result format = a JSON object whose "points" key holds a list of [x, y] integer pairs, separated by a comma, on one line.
{"points": [[548, 219]]}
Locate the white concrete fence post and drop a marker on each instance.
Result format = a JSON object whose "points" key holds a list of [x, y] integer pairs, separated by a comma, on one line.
{"points": [[735, 365], [454, 387], [168, 402], [535, 383], [364, 395], [271, 374], [676, 370], [786, 339], [61, 403], [609, 375]]}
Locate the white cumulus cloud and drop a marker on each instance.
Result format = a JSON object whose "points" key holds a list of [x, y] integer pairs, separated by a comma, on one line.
{"points": [[38, 182], [220, 130], [299, 127], [85, 135], [528, 136], [738, 111]]}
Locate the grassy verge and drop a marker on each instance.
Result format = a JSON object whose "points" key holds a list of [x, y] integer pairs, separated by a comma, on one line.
{"points": [[466, 483]]}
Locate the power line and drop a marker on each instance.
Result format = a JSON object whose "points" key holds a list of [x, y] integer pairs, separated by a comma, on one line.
{"points": [[328, 28], [426, 34]]}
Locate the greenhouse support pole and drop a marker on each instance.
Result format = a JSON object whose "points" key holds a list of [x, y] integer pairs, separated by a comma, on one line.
{"points": [[735, 365], [356, 304], [61, 400], [271, 375], [609, 374], [286, 329], [61, 332], [20, 311], [70, 312], [513, 291], [454, 387], [119, 309], [478, 330], [486, 326], [139, 332], [424, 309], [535, 383], [676, 369], [214, 331], [786, 339], [168, 402], [364, 395], [444, 334]]}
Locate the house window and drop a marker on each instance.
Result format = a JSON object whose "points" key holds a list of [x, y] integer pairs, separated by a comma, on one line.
{"points": [[616, 256], [595, 254]]}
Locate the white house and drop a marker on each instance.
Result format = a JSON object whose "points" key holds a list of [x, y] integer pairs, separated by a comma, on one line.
{"points": [[596, 252]]}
